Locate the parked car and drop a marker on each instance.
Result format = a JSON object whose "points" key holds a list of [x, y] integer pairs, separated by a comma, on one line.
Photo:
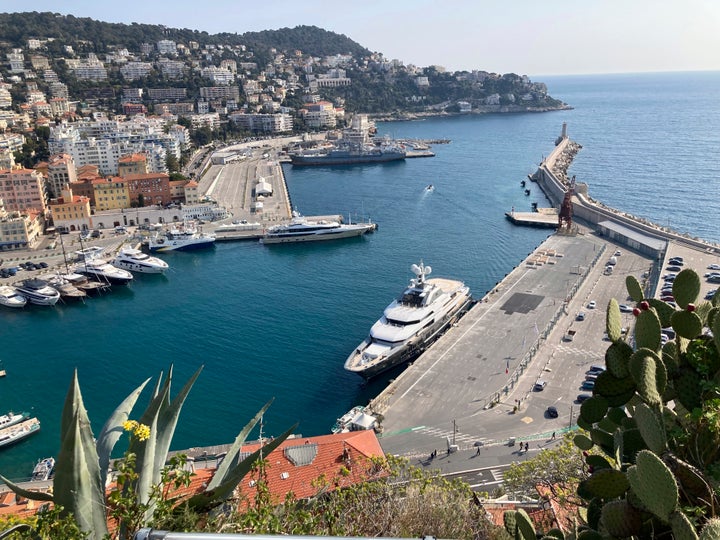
{"points": [[714, 266], [625, 308], [95, 234], [540, 385], [580, 316], [673, 268], [592, 304], [587, 385], [583, 397], [618, 253], [596, 369], [710, 295], [551, 412], [591, 377]]}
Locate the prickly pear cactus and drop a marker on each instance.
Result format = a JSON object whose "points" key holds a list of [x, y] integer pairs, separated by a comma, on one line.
{"points": [[655, 418]]}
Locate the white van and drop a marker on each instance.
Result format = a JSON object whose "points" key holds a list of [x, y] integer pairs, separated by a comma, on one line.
{"points": [[613, 261], [608, 270]]}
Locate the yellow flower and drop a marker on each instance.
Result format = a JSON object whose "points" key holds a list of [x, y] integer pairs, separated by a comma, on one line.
{"points": [[142, 432], [129, 425]]}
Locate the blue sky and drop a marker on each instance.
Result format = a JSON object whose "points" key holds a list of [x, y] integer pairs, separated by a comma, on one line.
{"points": [[529, 37]]}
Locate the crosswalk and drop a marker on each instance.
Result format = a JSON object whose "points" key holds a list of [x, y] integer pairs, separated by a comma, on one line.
{"points": [[582, 353], [463, 440]]}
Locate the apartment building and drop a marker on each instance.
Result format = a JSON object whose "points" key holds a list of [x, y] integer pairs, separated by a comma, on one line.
{"points": [[132, 164], [71, 212], [148, 189], [61, 171], [110, 194], [23, 190]]}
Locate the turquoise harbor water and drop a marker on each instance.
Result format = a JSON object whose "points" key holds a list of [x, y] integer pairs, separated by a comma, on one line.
{"points": [[279, 321]]}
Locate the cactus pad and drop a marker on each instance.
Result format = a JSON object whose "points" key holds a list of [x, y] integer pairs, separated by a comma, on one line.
{"points": [[620, 519], [644, 368], [647, 330], [524, 525], [651, 428], [686, 324], [711, 530], [594, 409], [608, 483], [613, 320], [589, 534], [654, 484], [582, 442], [681, 527], [686, 287], [597, 462], [603, 439], [634, 289], [617, 357], [510, 522], [617, 391]]}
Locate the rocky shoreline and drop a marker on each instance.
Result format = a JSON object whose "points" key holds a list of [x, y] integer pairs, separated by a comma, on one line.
{"points": [[487, 109]]}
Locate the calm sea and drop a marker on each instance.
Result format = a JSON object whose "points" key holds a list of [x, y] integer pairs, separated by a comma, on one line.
{"points": [[279, 321]]}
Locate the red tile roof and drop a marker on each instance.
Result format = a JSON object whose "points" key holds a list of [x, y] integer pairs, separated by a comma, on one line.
{"points": [[341, 459]]}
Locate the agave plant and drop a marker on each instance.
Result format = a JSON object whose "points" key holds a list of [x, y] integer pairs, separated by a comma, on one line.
{"points": [[83, 462]]}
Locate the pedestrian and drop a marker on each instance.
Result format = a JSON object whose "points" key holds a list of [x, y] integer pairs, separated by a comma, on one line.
{"points": [[527, 446], [477, 453], [553, 436]]}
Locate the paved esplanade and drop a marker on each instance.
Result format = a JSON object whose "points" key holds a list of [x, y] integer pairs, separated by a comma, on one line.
{"points": [[465, 371]]}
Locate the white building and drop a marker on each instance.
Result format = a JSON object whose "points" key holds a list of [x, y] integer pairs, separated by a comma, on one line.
{"points": [[218, 75], [166, 46]]}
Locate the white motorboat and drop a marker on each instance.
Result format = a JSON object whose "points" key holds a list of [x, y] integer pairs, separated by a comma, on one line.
{"points": [[10, 297], [135, 260], [300, 229], [410, 323], [181, 239], [43, 470], [37, 291], [101, 270], [11, 418]]}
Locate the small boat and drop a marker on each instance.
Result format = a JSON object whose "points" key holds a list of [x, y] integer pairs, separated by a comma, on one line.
{"points": [[11, 418], [79, 281], [410, 323], [101, 270], [37, 291], [67, 290], [13, 434], [429, 187], [300, 229], [43, 470], [10, 297], [356, 419], [135, 260]]}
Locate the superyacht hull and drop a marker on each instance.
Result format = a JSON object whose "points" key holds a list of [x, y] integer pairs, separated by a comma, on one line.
{"points": [[410, 348], [347, 231]]}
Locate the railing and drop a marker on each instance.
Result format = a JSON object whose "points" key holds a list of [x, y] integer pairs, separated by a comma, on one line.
{"points": [[149, 534]]}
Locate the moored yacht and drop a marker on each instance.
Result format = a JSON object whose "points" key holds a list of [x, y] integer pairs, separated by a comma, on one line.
{"points": [[37, 291], [79, 281], [66, 289], [301, 229], [10, 297], [11, 435], [180, 239], [410, 323], [101, 270], [135, 260], [11, 418]]}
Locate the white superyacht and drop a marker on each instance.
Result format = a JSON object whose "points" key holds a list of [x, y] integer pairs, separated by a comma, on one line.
{"points": [[410, 323]]}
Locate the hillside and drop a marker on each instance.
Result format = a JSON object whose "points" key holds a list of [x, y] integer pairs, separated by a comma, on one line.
{"points": [[17, 28]]}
